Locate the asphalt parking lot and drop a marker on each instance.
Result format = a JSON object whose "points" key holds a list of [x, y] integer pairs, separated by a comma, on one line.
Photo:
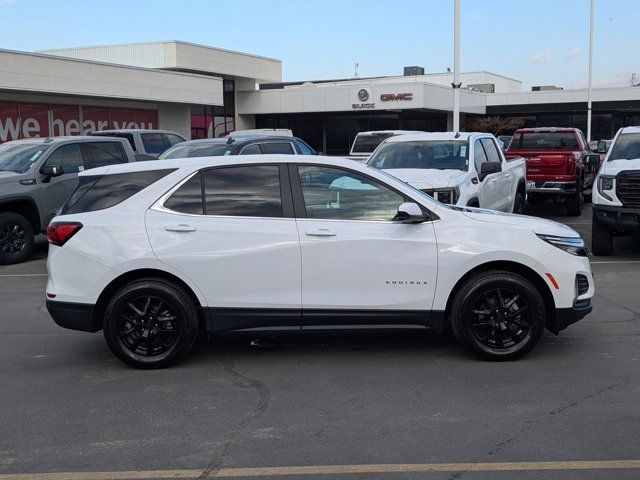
{"points": [[326, 407]]}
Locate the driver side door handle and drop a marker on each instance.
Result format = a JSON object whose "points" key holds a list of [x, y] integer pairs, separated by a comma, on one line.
{"points": [[321, 232], [183, 227]]}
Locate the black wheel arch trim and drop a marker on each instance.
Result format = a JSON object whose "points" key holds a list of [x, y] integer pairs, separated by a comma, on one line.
{"points": [[36, 221]]}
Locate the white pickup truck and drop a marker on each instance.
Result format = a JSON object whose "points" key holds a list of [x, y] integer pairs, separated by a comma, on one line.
{"points": [[457, 168], [366, 142], [616, 192]]}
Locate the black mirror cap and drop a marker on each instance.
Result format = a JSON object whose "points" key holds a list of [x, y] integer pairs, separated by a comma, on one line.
{"points": [[592, 159], [50, 171], [602, 146], [487, 168]]}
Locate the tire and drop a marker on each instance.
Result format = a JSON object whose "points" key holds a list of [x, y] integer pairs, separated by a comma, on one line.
{"points": [[150, 314], [16, 238], [601, 238], [574, 202], [480, 317], [518, 203]]}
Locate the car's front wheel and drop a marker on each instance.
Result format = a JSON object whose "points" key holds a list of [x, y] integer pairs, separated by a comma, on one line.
{"points": [[498, 315], [150, 323], [16, 238]]}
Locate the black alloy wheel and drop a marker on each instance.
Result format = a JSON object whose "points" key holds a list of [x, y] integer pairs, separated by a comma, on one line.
{"points": [[150, 323], [16, 238], [499, 315]]}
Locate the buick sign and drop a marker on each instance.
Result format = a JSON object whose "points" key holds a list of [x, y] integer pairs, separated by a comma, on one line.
{"points": [[363, 94]]}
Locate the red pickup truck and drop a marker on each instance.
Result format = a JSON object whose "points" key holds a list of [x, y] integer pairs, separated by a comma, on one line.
{"points": [[559, 163]]}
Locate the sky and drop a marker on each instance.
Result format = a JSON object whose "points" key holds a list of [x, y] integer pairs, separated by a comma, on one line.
{"points": [[540, 42]]}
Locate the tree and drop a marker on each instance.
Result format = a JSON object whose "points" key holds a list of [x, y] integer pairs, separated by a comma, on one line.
{"points": [[496, 125]]}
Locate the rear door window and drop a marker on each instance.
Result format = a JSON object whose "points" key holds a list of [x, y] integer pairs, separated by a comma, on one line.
{"points": [[303, 148], [278, 147], [69, 157], [246, 191], [171, 139], [100, 154], [153, 143], [97, 192]]}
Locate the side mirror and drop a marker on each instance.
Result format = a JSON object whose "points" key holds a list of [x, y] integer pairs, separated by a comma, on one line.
{"points": [[50, 171], [410, 212], [602, 147], [591, 159], [487, 168]]}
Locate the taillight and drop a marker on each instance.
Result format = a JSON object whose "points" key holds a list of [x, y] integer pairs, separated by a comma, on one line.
{"points": [[58, 233]]}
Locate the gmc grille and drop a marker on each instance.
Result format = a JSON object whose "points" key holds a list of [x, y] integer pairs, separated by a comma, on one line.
{"points": [[628, 188]]}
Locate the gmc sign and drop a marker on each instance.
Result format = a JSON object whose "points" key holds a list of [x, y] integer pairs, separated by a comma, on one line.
{"points": [[389, 97]]}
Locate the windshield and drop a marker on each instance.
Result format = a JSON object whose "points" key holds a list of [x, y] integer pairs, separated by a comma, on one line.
{"points": [[198, 150], [19, 157], [545, 141], [626, 147], [368, 143], [436, 154]]}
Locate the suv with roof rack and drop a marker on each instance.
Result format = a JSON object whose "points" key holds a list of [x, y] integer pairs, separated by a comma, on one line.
{"points": [[242, 145], [37, 175]]}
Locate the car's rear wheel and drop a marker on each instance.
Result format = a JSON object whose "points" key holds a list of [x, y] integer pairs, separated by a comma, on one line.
{"points": [[601, 238], [518, 203], [16, 238], [574, 202], [498, 315], [150, 323]]}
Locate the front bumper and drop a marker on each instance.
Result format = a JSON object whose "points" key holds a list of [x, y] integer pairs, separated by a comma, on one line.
{"points": [[553, 187], [74, 316], [567, 316], [617, 218]]}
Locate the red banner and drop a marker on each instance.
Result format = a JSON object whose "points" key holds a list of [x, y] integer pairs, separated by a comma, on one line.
{"points": [[25, 120]]}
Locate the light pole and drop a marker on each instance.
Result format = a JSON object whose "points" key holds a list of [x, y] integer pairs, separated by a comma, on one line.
{"points": [[456, 65], [590, 72]]}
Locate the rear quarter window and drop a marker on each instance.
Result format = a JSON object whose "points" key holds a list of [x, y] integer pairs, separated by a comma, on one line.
{"points": [[98, 192]]}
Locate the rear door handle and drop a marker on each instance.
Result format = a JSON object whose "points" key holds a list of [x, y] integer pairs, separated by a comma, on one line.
{"points": [[321, 232], [183, 227]]}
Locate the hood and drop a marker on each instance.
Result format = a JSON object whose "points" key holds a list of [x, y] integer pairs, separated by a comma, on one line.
{"points": [[9, 176], [613, 167], [535, 224], [428, 178]]}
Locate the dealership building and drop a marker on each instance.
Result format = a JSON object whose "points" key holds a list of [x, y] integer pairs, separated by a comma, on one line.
{"points": [[201, 91]]}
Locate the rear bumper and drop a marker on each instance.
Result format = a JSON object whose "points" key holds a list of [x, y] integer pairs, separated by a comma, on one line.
{"points": [[617, 218], [553, 187], [567, 316], [74, 316]]}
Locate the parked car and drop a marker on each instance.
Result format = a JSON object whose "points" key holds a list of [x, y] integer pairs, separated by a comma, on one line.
{"points": [[365, 143], [559, 164], [465, 169], [276, 243], [262, 132], [249, 145], [146, 143], [37, 175], [616, 200]]}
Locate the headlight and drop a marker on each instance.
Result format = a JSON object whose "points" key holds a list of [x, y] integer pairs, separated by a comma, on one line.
{"points": [[606, 183], [572, 245], [447, 196]]}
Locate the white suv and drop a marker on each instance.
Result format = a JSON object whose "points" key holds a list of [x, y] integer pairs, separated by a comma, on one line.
{"points": [[153, 253]]}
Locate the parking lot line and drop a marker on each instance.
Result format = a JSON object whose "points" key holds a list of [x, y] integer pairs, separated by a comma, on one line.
{"points": [[24, 275], [331, 470]]}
